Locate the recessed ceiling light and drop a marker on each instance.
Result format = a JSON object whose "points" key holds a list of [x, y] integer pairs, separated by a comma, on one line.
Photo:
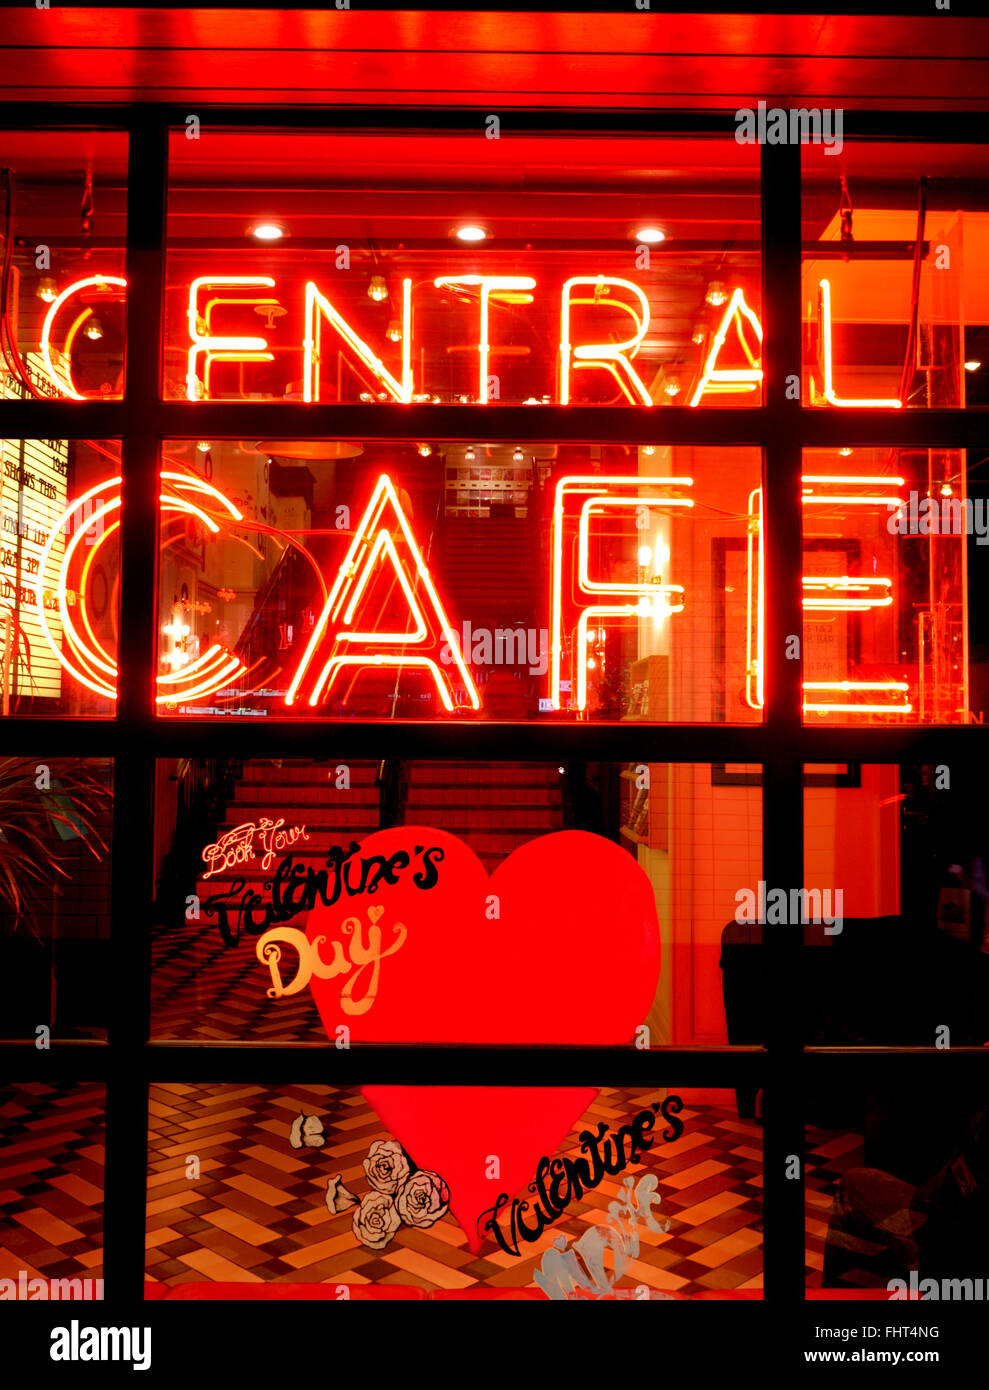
{"points": [[470, 231], [267, 231], [972, 366], [651, 235]]}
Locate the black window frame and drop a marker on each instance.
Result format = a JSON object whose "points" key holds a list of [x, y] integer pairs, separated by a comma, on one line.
{"points": [[128, 1062]]}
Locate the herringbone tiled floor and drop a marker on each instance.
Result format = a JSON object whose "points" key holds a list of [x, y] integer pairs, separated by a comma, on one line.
{"points": [[257, 1211]]}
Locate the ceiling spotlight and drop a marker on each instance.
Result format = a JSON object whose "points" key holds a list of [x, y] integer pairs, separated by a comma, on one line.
{"points": [[94, 329], [470, 231], [716, 294], [394, 331], [47, 289], [699, 333], [518, 456], [377, 289], [424, 450], [971, 366], [204, 446], [469, 454], [651, 235], [672, 386], [267, 231]]}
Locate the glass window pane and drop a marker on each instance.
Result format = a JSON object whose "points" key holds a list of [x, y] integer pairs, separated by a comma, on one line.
{"points": [[52, 1138], [65, 222], [895, 898], [307, 1187], [59, 576], [55, 830], [249, 854], [320, 578], [894, 569], [894, 1209], [880, 325], [452, 267]]}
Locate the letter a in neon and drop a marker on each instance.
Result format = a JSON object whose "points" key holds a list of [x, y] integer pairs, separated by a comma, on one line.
{"points": [[714, 378], [383, 537]]}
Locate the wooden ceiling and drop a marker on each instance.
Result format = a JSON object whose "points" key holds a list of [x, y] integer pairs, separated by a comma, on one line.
{"points": [[499, 59]]}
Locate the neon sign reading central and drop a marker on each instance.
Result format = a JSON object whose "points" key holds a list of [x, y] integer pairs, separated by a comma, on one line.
{"points": [[594, 300]]}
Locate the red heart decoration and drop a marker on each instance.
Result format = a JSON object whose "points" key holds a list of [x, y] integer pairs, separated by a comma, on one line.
{"points": [[457, 1130], [560, 945]]}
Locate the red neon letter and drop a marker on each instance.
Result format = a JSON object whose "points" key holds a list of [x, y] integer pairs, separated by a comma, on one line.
{"points": [[573, 588], [374, 539], [610, 356], [731, 379], [238, 349], [64, 383], [824, 331], [317, 305], [487, 283]]}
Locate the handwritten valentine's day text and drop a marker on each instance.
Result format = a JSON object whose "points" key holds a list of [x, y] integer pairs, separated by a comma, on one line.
{"points": [[560, 1181], [296, 887], [363, 954]]}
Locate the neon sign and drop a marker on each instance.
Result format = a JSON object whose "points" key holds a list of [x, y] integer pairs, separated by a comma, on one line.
{"points": [[586, 291], [239, 846]]}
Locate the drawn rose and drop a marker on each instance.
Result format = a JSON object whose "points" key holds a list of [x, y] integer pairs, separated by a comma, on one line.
{"points": [[386, 1166], [338, 1197], [423, 1199], [376, 1220]]}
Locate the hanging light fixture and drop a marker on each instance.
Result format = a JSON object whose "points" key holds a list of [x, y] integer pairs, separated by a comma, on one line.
{"points": [[518, 456], [394, 331], [672, 386], [47, 289], [94, 329], [469, 454], [424, 450], [377, 289], [699, 333], [716, 294]]}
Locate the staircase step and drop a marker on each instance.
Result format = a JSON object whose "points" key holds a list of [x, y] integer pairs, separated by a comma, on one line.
{"points": [[263, 798], [502, 822]]}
